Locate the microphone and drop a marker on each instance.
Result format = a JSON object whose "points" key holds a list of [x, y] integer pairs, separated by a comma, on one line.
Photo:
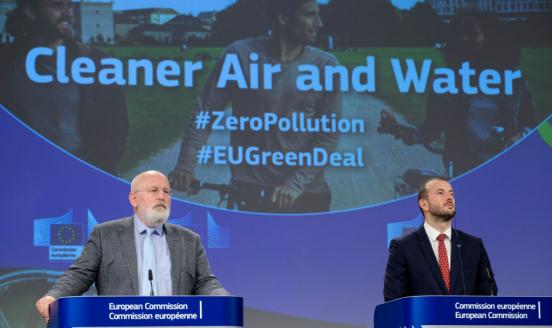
{"points": [[459, 247], [150, 278], [490, 279]]}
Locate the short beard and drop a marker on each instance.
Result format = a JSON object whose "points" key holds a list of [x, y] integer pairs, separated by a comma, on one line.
{"points": [[446, 217], [157, 217]]}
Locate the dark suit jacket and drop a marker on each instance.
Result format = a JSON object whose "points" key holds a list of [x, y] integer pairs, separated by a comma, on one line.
{"points": [[109, 260], [412, 268]]}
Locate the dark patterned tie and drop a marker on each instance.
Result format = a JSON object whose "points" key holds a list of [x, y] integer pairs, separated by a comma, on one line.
{"points": [[443, 260]]}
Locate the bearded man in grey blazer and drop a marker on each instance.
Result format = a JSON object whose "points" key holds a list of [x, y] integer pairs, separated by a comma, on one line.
{"points": [[139, 255]]}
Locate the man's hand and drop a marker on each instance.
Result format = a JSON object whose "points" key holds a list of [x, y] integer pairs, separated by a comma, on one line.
{"points": [[284, 196], [43, 307], [180, 180], [388, 123]]}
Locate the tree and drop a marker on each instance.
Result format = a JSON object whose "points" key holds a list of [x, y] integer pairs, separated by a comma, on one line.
{"points": [[362, 23], [100, 39], [421, 26], [243, 19]]}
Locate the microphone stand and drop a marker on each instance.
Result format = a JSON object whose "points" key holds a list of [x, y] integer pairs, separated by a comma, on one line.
{"points": [[150, 278]]}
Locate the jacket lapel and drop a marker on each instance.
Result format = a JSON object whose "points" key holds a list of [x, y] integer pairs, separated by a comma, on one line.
{"points": [[423, 242], [126, 234], [175, 253], [455, 262]]}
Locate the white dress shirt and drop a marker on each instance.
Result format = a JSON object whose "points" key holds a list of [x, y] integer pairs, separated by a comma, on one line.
{"points": [[432, 234]]}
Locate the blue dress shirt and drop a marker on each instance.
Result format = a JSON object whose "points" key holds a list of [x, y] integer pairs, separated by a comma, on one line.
{"points": [[162, 255]]}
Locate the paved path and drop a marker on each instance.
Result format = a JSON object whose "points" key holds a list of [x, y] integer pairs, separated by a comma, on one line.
{"points": [[386, 158]]}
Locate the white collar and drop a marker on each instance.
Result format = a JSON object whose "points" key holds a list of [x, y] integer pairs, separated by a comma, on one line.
{"points": [[433, 233], [140, 227]]}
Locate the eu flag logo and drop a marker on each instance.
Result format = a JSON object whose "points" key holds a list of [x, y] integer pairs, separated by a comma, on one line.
{"points": [[66, 234]]}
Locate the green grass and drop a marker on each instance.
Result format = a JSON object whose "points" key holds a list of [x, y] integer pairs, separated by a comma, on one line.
{"points": [[545, 131], [536, 65], [158, 115], [154, 124]]}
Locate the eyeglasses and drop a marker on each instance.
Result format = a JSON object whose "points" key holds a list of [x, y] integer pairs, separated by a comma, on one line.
{"points": [[155, 190]]}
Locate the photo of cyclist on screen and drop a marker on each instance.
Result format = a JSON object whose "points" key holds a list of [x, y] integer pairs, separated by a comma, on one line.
{"points": [[476, 127], [271, 188]]}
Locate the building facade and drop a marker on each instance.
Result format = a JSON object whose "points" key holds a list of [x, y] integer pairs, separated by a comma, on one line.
{"points": [[502, 7], [93, 21], [156, 16], [149, 19]]}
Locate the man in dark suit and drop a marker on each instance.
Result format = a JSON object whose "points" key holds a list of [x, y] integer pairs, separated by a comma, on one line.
{"points": [[139, 255], [436, 259]]}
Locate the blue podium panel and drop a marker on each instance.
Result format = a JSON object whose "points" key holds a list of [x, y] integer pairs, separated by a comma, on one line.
{"points": [[454, 311], [141, 311]]}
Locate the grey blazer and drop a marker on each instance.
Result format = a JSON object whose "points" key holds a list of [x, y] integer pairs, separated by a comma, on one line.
{"points": [[109, 260]]}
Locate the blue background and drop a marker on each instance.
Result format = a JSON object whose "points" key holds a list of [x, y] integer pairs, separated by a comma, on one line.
{"points": [[326, 267]]}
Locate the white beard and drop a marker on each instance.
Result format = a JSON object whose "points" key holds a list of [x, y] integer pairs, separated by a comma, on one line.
{"points": [[157, 215]]}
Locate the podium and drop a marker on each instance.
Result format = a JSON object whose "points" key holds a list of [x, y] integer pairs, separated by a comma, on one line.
{"points": [[454, 311], [143, 311]]}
